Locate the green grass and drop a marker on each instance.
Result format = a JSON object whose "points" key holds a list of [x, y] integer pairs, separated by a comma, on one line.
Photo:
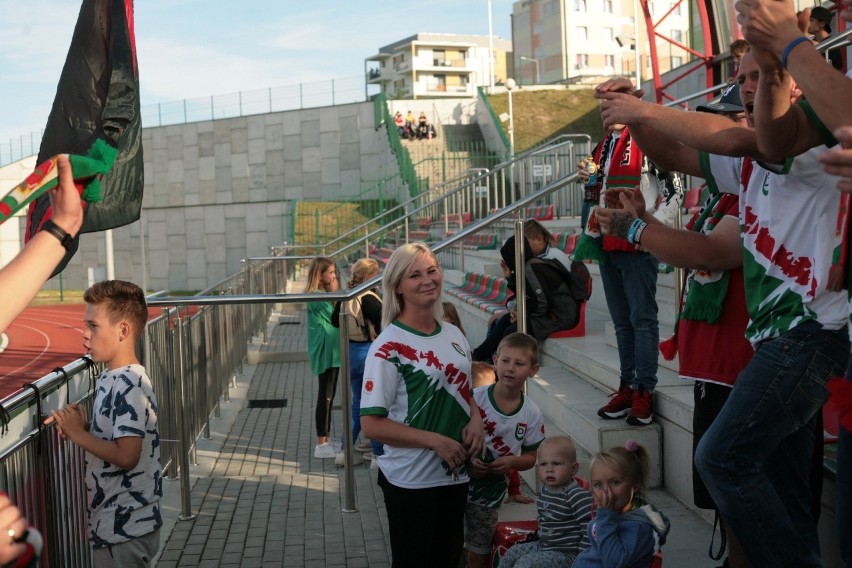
{"points": [[53, 297], [541, 115]]}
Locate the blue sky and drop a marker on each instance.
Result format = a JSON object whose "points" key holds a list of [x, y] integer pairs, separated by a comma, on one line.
{"points": [[197, 48]]}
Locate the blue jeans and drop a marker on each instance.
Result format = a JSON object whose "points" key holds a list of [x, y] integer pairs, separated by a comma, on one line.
{"points": [[357, 358], [843, 490], [630, 286], [756, 456]]}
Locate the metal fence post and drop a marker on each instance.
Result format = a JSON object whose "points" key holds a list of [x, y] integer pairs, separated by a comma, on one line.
{"points": [[181, 413], [346, 406]]}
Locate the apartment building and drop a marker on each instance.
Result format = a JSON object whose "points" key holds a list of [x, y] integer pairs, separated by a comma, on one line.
{"points": [[568, 41], [430, 65]]}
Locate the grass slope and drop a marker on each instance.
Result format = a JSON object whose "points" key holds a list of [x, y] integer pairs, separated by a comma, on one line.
{"points": [[540, 115]]}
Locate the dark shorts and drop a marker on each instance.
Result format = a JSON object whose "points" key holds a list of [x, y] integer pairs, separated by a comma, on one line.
{"points": [[709, 400]]}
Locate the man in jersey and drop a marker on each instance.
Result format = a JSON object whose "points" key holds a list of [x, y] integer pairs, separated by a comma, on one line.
{"points": [[776, 28], [755, 457]]}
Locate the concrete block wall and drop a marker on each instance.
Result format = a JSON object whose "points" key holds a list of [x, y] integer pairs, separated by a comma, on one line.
{"points": [[220, 191]]}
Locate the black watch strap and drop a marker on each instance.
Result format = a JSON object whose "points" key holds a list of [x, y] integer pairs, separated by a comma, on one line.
{"points": [[58, 232]]}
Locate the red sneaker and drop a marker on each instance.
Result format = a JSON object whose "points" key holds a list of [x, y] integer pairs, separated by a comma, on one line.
{"points": [[619, 403], [642, 411]]}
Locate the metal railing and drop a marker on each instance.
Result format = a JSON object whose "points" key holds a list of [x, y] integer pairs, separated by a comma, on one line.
{"points": [[191, 355]]}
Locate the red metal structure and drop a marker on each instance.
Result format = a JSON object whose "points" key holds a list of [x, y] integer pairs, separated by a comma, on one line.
{"points": [[707, 60]]}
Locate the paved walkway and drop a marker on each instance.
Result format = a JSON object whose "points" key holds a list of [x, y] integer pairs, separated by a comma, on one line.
{"points": [[262, 499]]}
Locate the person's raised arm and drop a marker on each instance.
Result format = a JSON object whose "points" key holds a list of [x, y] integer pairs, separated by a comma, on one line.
{"points": [[24, 276], [721, 249], [782, 128], [671, 138], [774, 26]]}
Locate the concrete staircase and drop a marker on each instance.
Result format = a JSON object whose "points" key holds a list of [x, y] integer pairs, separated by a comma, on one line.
{"points": [[438, 160], [578, 374]]}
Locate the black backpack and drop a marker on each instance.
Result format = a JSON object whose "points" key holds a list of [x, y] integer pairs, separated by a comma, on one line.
{"points": [[579, 281]]}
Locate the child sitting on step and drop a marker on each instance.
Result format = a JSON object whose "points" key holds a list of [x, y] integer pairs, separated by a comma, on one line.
{"points": [[626, 530], [564, 510]]}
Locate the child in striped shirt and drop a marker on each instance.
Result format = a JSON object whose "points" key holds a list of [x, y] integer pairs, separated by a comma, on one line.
{"points": [[564, 510]]}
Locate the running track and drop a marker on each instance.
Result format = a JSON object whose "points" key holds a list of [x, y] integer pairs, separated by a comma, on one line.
{"points": [[40, 339]]}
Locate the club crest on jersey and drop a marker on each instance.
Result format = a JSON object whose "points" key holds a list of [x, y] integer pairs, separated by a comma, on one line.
{"points": [[520, 430], [368, 385], [458, 348]]}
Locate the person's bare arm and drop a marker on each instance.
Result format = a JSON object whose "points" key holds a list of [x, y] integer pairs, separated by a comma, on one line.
{"points": [[387, 431], [721, 249], [773, 25], [23, 277], [672, 138], [838, 161], [783, 129], [123, 452]]}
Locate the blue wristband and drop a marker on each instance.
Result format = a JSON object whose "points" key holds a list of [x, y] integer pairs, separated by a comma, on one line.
{"points": [[636, 225], [789, 48]]}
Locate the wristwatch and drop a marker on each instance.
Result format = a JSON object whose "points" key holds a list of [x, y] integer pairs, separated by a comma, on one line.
{"points": [[58, 232]]}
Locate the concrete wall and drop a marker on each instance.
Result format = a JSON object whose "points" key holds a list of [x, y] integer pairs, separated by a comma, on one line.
{"points": [[220, 191]]}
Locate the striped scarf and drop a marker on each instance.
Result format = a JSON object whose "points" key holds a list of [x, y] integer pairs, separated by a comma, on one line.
{"points": [[620, 164]]}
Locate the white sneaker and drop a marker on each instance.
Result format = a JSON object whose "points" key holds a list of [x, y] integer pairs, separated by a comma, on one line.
{"points": [[340, 459], [374, 465], [363, 445], [336, 444], [369, 456], [324, 451]]}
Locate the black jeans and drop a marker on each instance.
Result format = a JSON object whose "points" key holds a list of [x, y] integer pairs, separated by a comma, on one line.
{"points": [[325, 398], [426, 525]]}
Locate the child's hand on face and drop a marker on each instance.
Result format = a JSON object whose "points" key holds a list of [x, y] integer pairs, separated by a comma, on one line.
{"points": [[70, 420]]}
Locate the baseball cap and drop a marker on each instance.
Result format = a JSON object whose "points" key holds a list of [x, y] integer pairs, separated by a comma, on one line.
{"points": [[728, 102], [822, 14]]}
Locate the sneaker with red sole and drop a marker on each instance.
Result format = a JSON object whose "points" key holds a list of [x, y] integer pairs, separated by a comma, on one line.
{"points": [[619, 403], [642, 411]]}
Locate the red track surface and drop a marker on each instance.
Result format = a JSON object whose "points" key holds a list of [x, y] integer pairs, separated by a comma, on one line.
{"points": [[40, 339]]}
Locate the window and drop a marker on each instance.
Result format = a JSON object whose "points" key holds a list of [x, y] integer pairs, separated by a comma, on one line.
{"points": [[677, 35], [607, 6], [582, 60], [581, 33], [580, 5], [608, 34], [651, 8], [677, 61], [609, 61], [439, 57], [676, 10]]}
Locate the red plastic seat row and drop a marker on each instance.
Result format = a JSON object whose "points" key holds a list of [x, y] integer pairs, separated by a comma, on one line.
{"points": [[541, 212]]}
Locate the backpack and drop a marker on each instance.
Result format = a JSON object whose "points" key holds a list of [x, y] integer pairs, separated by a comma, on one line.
{"points": [[360, 329], [557, 308], [581, 281]]}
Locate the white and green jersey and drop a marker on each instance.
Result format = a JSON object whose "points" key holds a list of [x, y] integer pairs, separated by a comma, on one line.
{"points": [[422, 381], [788, 221], [521, 430]]}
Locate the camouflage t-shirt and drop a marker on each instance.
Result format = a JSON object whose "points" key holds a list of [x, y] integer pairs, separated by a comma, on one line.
{"points": [[124, 504]]}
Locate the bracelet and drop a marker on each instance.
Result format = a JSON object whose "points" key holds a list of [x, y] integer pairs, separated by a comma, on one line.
{"points": [[637, 238], [635, 231], [789, 48]]}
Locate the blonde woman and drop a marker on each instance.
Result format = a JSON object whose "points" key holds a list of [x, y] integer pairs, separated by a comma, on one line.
{"points": [[323, 351], [417, 401], [364, 322]]}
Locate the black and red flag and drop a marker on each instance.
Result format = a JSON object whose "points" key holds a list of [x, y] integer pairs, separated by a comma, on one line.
{"points": [[95, 118]]}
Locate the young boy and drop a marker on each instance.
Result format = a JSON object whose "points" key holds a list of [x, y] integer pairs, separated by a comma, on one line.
{"points": [[564, 510], [122, 442], [514, 428]]}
